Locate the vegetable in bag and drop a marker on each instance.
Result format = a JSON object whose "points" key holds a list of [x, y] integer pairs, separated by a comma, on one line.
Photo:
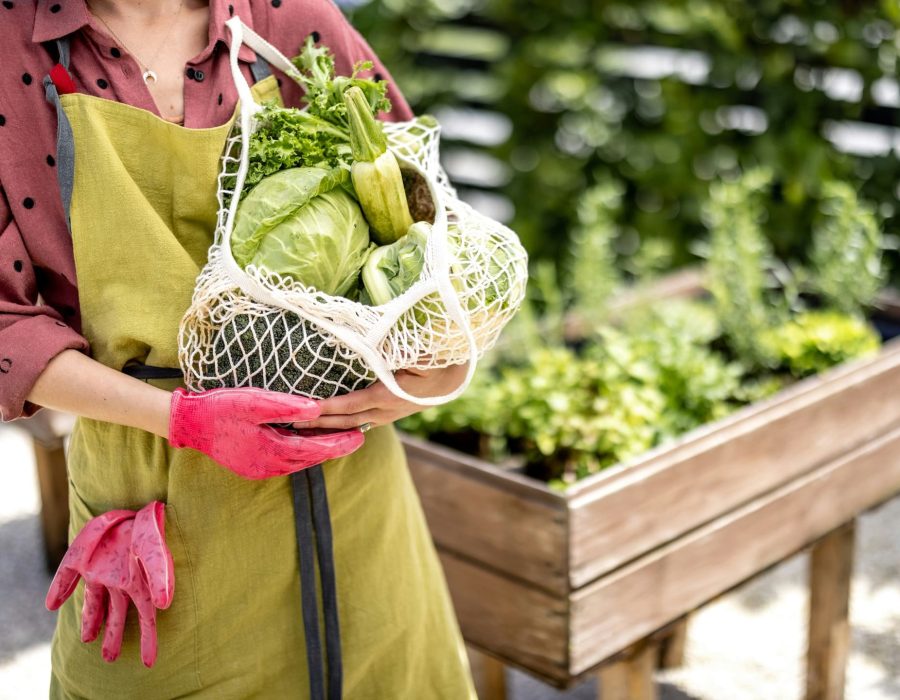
{"points": [[392, 269], [301, 223], [281, 352]]}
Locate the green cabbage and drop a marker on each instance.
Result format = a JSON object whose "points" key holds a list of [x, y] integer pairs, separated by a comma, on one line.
{"points": [[301, 223]]}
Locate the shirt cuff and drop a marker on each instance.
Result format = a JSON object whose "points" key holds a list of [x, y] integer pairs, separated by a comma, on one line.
{"points": [[26, 347]]}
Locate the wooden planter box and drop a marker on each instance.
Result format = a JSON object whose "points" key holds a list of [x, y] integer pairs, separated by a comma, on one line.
{"points": [[558, 583]]}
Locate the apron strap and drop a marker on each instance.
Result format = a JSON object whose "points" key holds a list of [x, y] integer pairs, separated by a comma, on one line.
{"points": [[325, 551], [311, 511], [65, 142], [260, 69]]}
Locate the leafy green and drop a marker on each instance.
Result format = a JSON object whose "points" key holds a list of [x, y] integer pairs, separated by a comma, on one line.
{"points": [[569, 400], [390, 270], [847, 248], [740, 257], [318, 135], [291, 138], [325, 91], [569, 413], [302, 224], [816, 340]]}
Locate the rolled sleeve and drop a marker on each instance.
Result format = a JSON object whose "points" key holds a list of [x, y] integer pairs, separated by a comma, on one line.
{"points": [[31, 332]]}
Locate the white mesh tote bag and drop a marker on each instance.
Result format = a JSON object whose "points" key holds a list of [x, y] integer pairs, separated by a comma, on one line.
{"points": [[251, 327]]}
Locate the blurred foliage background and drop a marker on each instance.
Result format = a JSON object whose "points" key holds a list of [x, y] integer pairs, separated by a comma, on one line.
{"points": [[549, 104]]}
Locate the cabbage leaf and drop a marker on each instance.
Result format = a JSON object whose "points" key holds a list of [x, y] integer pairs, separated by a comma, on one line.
{"points": [[301, 223]]}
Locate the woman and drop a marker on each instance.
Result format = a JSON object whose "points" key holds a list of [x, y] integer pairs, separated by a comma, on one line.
{"points": [[162, 480]]}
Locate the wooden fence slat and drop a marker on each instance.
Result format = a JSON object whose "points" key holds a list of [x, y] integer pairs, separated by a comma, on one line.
{"points": [[672, 645], [630, 678], [53, 484]]}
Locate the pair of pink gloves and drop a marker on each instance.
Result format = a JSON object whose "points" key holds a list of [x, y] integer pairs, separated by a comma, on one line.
{"points": [[122, 555]]}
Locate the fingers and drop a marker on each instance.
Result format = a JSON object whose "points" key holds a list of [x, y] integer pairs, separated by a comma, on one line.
{"points": [[321, 448], [79, 553], [350, 421], [147, 618], [115, 625], [354, 402], [148, 543], [62, 585], [263, 406], [92, 611], [294, 452]]}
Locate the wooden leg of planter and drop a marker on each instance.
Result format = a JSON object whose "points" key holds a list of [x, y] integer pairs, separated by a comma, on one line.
{"points": [[830, 572], [489, 675], [671, 647], [630, 678], [54, 487]]}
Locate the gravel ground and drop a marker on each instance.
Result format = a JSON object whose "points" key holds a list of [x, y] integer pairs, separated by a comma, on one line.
{"points": [[749, 645]]}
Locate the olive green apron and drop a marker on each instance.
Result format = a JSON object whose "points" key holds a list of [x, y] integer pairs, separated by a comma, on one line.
{"points": [[142, 214]]}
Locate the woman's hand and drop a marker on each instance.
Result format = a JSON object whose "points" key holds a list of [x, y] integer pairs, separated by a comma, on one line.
{"points": [[232, 427], [376, 405]]}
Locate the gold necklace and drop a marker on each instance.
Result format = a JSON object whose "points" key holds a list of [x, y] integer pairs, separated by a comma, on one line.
{"points": [[148, 74]]}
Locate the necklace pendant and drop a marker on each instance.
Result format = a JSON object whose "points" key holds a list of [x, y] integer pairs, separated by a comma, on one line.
{"points": [[149, 76]]}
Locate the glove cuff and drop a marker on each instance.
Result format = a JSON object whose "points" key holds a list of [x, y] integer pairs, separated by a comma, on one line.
{"points": [[178, 420]]}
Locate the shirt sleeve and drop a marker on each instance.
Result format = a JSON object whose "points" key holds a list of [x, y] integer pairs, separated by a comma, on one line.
{"points": [[31, 332]]}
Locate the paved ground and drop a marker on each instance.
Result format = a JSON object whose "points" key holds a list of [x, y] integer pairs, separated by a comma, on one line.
{"points": [[746, 646]]}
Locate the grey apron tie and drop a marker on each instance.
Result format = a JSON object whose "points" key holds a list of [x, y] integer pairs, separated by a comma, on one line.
{"points": [[65, 143], [311, 515]]}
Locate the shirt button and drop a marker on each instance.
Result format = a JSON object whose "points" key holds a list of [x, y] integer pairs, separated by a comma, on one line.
{"points": [[198, 76], [190, 72]]}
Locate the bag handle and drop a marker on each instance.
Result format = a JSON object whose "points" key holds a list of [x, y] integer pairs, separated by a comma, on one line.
{"points": [[241, 33]]}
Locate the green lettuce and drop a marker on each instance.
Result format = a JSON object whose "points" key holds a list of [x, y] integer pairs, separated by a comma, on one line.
{"points": [[301, 223]]}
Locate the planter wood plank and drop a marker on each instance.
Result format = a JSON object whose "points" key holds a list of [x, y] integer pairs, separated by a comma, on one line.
{"points": [[534, 552], [560, 583], [515, 622], [622, 608], [618, 516]]}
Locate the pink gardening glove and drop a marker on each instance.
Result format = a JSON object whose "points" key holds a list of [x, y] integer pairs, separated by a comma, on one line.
{"points": [[122, 556], [229, 425]]}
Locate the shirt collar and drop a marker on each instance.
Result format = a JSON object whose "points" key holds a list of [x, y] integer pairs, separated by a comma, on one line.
{"points": [[58, 18]]}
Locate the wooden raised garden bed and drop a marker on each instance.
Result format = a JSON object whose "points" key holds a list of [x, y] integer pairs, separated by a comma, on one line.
{"points": [[560, 583]]}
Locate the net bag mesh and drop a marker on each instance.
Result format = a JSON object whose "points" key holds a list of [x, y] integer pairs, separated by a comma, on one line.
{"points": [[249, 327]]}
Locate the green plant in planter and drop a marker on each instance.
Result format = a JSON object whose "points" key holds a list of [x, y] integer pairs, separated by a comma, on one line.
{"points": [[571, 405], [698, 383], [570, 413], [739, 258], [847, 251], [571, 416], [816, 340]]}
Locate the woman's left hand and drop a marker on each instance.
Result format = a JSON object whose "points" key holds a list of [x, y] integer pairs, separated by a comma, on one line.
{"points": [[376, 405]]}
